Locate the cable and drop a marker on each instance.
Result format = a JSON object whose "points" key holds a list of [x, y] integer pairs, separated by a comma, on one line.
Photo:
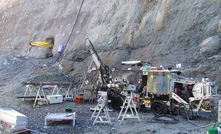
{"points": [[161, 119], [187, 113], [71, 32], [212, 124]]}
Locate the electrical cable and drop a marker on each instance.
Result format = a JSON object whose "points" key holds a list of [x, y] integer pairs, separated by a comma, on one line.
{"points": [[71, 32]]}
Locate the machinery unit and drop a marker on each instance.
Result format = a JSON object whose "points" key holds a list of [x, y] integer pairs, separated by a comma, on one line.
{"points": [[105, 81], [161, 90], [167, 90]]}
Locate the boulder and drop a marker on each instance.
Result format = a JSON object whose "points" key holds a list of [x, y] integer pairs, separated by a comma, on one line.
{"points": [[210, 46]]}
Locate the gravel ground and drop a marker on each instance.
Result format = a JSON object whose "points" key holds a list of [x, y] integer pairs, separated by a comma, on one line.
{"points": [[84, 125], [16, 70]]}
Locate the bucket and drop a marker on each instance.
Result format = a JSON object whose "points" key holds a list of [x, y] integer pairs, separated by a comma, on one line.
{"points": [[212, 130]]}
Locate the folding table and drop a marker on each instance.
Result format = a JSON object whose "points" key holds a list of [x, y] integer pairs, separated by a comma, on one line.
{"points": [[59, 117]]}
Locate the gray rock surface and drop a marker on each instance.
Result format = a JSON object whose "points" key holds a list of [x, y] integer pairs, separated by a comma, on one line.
{"points": [[161, 32]]}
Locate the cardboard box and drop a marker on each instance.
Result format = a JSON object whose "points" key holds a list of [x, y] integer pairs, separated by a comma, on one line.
{"points": [[54, 98], [39, 102]]}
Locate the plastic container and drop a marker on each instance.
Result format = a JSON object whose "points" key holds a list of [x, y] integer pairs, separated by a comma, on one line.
{"points": [[212, 130], [79, 100], [147, 67], [159, 68], [153, 68], [68, 110], [219, 128]]}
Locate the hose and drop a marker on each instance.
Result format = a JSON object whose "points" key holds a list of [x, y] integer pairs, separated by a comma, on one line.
{"points": [[161, 119], [187, 114], [41, 44], [71, 32]]}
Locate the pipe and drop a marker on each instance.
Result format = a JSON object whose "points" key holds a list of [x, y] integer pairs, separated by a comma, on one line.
{"points": [[75, 22], [219, 112]]}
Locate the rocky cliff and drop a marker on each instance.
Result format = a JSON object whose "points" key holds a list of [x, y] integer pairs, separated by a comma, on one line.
{"points": [[162, 32]]}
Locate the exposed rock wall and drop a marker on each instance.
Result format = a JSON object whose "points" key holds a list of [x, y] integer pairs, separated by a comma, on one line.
{"points": [[163, 32]]}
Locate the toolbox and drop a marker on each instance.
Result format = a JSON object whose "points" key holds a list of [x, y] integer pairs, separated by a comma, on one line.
{"points": [[54, 98]]}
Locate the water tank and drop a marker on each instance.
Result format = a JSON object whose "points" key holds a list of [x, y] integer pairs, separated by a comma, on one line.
{"points": [[198, 90], [201, 89]]}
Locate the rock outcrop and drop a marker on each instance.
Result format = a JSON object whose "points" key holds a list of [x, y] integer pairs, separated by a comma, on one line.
{"points": [[160, 32]]}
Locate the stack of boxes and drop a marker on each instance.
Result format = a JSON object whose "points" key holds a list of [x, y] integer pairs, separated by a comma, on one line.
{"points": [[12, 120]]}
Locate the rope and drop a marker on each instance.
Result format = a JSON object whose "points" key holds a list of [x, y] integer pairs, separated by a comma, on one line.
{"points": [[71, 32]]}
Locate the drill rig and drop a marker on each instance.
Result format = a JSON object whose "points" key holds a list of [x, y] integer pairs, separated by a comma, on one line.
{"points": [[105, 81], [162, 90]]}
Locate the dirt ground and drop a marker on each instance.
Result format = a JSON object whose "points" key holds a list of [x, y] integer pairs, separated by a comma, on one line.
{"points": [[17, 70]]}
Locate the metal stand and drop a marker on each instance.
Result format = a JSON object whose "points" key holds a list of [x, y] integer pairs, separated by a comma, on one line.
{"points": [[29, 90], [39, 97], [68, 94], [128, 104], [101, 106]]}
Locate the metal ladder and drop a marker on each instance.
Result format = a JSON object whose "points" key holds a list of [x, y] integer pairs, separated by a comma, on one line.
{"points": [[128, 104], [101, 106]]}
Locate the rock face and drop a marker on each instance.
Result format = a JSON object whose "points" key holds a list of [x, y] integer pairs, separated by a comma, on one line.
{"points": [[210, 46], [160, 32]]}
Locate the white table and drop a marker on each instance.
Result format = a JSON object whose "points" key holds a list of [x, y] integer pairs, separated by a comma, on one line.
{"points": [[59, 117]]}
